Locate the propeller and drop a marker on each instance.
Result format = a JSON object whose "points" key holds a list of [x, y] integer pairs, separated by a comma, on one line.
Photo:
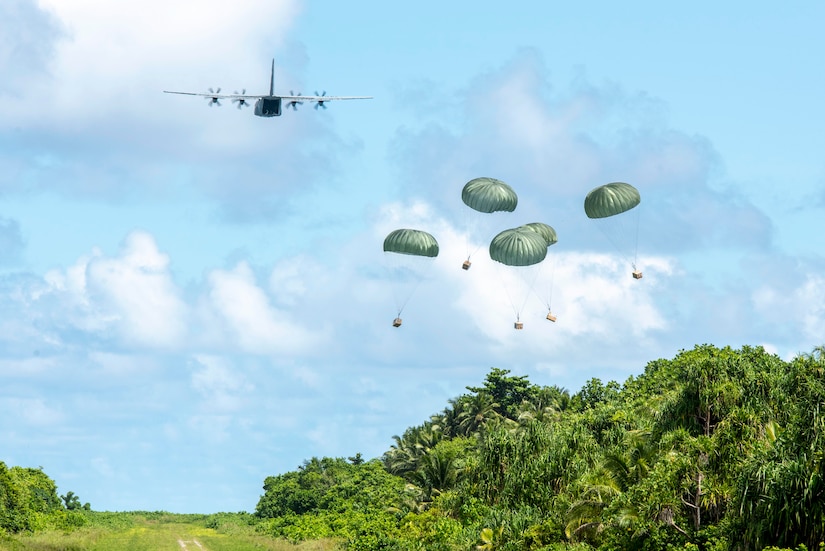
{"points": [[214, 99], [321, 103], [241, 101], [294, 103]]}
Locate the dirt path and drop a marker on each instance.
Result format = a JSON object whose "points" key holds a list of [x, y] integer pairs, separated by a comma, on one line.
{"points": [[183, 543]]}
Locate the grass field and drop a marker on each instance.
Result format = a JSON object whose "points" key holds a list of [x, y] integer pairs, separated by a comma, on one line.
{"points": [[157, 532]]}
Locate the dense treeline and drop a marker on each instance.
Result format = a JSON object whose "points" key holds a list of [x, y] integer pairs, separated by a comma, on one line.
{"points": [[29, 502], [716, 449]]}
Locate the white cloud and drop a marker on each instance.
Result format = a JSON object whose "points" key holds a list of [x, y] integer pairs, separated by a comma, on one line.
{"points": [[31, 411], [800, 305], [132, 298], [25, 45], [137, 289], [593, 296], [553, 146], [132, 294], [471, 313], [253, 324], [223, 388], [135, 47], [110, 131], [288, 280]]}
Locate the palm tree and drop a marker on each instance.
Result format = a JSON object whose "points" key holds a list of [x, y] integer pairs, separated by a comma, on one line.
{"points": [[477, 411], [545, 405], [781, 492], [584, 517], [617, 473], [438, 470], [405, 455]]}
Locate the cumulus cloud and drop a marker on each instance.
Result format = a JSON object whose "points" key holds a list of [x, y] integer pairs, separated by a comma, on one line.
{"points": [[554, 144], [111, 133], [27, 42], [135, 46], [31, 411], [130, 300], [798, 308], [130, 297], [469, 315], [138, 290], [223, 388], [249, 318]]}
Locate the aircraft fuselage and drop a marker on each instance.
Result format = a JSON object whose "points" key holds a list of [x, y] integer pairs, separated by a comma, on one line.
{"points": [[269, 106]]}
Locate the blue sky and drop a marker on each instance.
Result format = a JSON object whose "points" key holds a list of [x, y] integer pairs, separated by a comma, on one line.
{"points": [[192, 299]]}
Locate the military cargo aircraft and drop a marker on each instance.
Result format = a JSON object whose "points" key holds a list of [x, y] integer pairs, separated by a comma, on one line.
{"points": [[271, 105]]}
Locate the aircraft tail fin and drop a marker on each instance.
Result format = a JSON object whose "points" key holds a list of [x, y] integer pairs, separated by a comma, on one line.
{"points": [[272, 79]]}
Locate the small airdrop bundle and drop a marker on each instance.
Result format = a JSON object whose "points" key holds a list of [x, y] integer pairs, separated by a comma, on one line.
{"points": [[518, 325], [637, 274], [396, 322], [551, 317], [466, 265]]}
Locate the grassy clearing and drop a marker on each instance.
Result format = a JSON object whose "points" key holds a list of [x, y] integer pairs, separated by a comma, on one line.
{"points": [[158, 532]]}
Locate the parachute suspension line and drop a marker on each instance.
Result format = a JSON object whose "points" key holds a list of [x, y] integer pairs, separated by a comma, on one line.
{"points": [[623, 236], [636, 241], [467, 233], [509, 296], [482, 230], [530, 277], [473, 227], [502, 280], [527, 279], [548, 299], [401, 299]]}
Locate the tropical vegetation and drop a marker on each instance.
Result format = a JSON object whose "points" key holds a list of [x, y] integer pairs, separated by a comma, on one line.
{"points": [[715, 449]]}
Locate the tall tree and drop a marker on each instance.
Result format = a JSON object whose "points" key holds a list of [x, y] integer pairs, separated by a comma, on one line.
{"points": [[781, 491], [508, 392]]}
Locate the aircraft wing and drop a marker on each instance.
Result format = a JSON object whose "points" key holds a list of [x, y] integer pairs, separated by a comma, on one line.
{"points": [[247, 97], [215, 95], [320, 98]]}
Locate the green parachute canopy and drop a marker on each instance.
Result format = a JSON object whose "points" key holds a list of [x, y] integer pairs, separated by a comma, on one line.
{"points": [[489, 195], [547, 232], [518, 247], [610, 200], [413, 242]]}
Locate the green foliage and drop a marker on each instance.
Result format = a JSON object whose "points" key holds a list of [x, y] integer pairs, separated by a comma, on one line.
{"points": [[72, 502], [691, 454], [594, 393], [27, 499], [506, 392], [781, 492], [332, 498], [714, 450]]}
